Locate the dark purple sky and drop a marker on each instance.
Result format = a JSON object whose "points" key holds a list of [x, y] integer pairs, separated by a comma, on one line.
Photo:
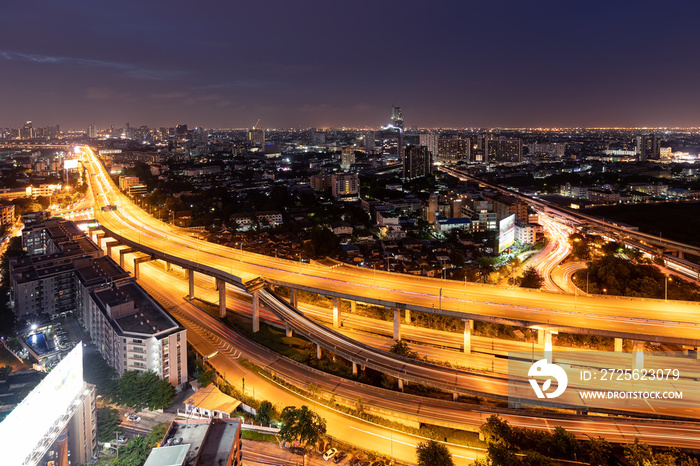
{"points": [[343, 63]]}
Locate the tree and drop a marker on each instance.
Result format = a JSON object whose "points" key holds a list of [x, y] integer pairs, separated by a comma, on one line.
{"points": [[402, 349], [432, 453], [531, 279], [264, 413], [139, 391], [497, 431], [301, 424], [107, 423], [639, 454], [598, 451]]}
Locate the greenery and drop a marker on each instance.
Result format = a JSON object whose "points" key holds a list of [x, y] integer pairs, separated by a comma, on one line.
{"points": [[432, 453], [401, 348], [264, 413], [142, 390], [258, 436], [301, 424], [136, 451], [531, 279], [615, 275], [107, 423]]}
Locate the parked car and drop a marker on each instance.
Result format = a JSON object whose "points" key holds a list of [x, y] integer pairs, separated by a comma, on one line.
{"points": [[340, 457], [297, 450], [122, 439], [134, 418], [330, 454]]}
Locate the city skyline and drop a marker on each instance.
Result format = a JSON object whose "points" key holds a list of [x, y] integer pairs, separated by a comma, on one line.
{"points": [[451, 65]]}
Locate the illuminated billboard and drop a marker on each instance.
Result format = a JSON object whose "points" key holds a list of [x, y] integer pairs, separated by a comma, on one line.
{"points": [[506, 233], [47, 406], [70, 164]]}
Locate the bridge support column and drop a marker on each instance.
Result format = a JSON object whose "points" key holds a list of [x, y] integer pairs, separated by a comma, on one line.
{"points": [[407, 316], [110, 245], [397, 324], [122, 253], [318, 351], [400, 384], [168, 266], [548, 346], [455, 396], [468, 327], [618, 345], [293, 298], [540, 336], [681, 255], [353, 306], [221, 286], [697, 352], [336, 312], [288, 330], [98, 239], [354, 368], [256, 311], [638, 355], [138, 261], [189, 274]]}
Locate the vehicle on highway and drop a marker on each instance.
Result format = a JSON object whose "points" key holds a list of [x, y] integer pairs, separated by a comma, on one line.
{"points": [[339, 457], [330, 454]]}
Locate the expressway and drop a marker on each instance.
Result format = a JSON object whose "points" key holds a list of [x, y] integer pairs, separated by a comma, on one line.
{"points": [[210, 334], [554, 253], [641, 319]]}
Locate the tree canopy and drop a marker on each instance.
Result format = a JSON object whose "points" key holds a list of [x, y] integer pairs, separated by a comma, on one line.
{"points": [[301, 424], [432, 453], [531, 279]]}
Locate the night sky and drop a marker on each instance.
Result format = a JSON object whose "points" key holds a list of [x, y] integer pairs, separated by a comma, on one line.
{"points": [[344, 63]]}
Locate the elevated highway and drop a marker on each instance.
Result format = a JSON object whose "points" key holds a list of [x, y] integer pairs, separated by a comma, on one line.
{"points": [[669, 322]]}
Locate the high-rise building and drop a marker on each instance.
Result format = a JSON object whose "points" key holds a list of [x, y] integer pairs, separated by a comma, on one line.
{"points": [[651, 148], [91, 132], [369, 141], [256, 137], [345, 186], [417, 162], [396, 117], [430, 140], [27, 131], [181, 132], [454, 150], [502, 150], [347, 158]]}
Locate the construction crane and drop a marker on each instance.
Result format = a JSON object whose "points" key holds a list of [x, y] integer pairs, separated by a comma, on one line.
{"points": [[255, 126]]}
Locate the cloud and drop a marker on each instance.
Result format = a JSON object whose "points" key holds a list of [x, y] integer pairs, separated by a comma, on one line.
{"points": [[127, 69]]}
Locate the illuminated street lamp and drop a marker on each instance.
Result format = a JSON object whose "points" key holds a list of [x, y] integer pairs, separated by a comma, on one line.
{"points": [[667, 279]]}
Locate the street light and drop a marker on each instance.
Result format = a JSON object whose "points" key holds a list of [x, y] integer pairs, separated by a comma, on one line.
{"points": [[668, 279]]}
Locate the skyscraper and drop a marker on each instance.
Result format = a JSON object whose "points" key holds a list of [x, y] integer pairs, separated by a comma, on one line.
{"points": [[396, 117], [651, 148], [256, 137], [347, 158], [430, 140], [417, 162], [91, 132]]}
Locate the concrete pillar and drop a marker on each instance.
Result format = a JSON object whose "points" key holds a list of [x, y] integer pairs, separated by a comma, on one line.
{"points": [[540, 336], [110, 245], [638, 355], [122, 253], [256, 311], [336, 312], [221, 285], [697, 352], [354, 368], [618, 345], [288, 330], [455, 396], [400, 384], [168, 266], [190, 280], [681, 255], [353, 306], [318, 351], [138, 261], [397, 325], [98, 239], [293, 298], [407, 316], [468, 327], [548, 346]]}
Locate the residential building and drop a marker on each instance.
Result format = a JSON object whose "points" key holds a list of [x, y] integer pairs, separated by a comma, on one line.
{"points": [[209, 402], [525, 233], [430, 140], [454, 150], [7, 214], [126, 182], [417, 162], [502, 150], [270, 218], [347, 158], [320, 182], [345, 186]]}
